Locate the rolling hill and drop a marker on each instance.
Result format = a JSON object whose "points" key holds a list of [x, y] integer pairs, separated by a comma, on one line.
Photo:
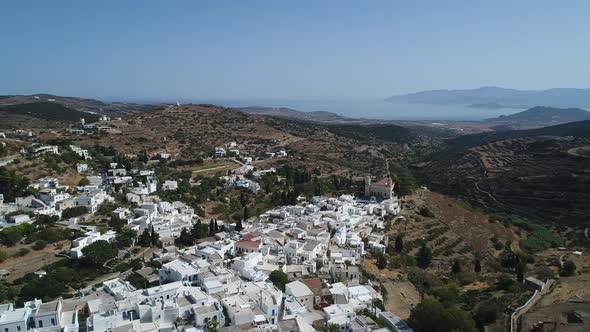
{"points": [[540, 116], [501, 97], [47, 111], [575, 129], [191, 131], [536, 173], [79, 104]]}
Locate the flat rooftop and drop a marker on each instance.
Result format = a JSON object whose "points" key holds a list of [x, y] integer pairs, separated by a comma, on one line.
{"points": [[48, 307]]}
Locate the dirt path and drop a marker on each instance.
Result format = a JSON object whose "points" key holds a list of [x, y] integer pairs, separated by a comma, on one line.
{"points": [[32, 264], [580, 151], [204, 170]]}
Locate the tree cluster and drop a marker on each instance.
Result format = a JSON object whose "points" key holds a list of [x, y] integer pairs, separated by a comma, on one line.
{"points": [[198, 231], [12, 185], [149, 238], [279, 279], [432, 316]]}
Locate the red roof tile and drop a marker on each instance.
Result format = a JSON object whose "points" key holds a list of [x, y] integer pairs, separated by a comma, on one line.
{"points": [[382, 182], [248, 236], [248, 243], [315, 284]]}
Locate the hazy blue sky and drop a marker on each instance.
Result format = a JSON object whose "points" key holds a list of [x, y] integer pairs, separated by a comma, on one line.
{"points": [[300, 49]]}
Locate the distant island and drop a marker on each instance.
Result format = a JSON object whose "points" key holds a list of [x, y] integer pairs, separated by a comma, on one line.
{"points": [[496, 97]]}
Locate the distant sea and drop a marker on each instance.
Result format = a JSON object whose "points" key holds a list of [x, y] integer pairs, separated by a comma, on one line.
{"points": [[375, 109]]}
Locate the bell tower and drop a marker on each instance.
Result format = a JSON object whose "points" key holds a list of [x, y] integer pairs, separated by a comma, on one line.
{"points": [[367, 185]]}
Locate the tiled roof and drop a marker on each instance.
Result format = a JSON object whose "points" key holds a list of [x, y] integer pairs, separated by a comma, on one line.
{"points": [[315, 284], [382, 182], [248, 243]]}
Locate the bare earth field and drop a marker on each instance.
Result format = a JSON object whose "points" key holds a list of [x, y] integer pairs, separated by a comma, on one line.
{"points": [[33, 261], [402, 296]]}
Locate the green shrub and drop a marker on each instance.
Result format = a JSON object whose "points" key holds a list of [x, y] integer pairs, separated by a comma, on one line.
{"points": [[540, 238], [53, 234], [568, 269], [3, 256], [466, 278], [137, 281], [122, 267], [431, 315], [22, 252], [106, 208], [12, 235], [74, 212], [279, 279], [425, 212], [505, 282], [39, 245], [498, 245], [486, 313], [446, 294]]}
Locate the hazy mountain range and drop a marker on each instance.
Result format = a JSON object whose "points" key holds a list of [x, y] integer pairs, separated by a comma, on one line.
{"points": [[495, 97], [59, 108]]}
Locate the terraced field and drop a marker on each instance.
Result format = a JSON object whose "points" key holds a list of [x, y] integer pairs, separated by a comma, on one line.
{"points": [[582, 151], [531, 176], [455, 231]]}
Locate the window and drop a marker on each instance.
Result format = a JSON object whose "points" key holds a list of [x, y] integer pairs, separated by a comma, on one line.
{"points": [[52, 321], [18, 328], [40, 323]]}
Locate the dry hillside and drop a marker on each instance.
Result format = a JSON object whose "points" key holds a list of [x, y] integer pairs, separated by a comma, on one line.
{"points": [[189, 131]]}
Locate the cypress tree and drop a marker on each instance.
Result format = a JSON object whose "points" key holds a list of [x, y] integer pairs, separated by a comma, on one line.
{"points": [[399, 243], [424, 256], [477, 265], [211, 227]]}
